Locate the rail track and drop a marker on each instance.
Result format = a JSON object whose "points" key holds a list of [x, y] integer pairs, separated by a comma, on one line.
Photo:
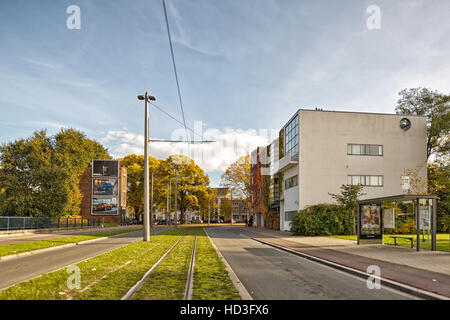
{"points": [[190, 277]]}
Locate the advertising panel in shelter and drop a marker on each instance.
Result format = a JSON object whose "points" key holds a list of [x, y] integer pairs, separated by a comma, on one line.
{"points": [[370, 222]]}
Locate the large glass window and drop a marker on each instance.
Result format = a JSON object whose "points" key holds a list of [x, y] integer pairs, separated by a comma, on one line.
{"points": [[291, 136], [368, 181], [291, 182], [365, 149]]}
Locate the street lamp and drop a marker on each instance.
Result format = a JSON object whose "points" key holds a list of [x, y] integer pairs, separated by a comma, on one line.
{"points": [[146, 97]]}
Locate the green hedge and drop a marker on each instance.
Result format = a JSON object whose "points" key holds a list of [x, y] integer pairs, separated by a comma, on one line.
{"points": [[322, 220]]}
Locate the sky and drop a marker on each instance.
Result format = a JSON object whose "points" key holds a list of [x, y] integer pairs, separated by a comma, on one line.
{"points": [[244, 66]]}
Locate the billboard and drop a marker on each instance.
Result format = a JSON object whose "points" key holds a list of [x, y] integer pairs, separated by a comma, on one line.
{"points": [[105, 187], [370, 222], [105, 168], [104, 206]]}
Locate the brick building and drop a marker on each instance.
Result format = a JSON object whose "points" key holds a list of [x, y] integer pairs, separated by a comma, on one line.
{"points": [[85, 187]]}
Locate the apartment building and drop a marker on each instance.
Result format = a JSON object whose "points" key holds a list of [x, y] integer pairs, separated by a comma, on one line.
{"points": [[321, 150]]}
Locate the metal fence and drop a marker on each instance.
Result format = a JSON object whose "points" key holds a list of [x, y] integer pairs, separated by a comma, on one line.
{"points": [[22, 223]]}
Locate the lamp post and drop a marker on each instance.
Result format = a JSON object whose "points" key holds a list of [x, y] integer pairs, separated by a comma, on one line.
{"points": [[146, 97]]}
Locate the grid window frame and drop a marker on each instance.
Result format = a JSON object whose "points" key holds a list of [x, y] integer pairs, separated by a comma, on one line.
{"points": [[291, 136], [366, 180], [373, 150]]}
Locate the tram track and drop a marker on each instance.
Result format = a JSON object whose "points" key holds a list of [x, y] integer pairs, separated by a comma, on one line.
{"points": [[140, 283], [190, 278]]}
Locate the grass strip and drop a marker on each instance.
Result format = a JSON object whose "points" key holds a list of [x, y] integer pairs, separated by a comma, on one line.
{"points": [[111, 274], [120, 274], [211, 279], [15, 248], [168, 281], [442, 241]]}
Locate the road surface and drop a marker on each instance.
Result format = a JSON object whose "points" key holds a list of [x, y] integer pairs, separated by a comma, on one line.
{"points": [[270, 273], [27, 267], [21, 238]]}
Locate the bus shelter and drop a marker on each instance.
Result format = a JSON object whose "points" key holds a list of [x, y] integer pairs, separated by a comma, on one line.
{"points": [[409, 219]]}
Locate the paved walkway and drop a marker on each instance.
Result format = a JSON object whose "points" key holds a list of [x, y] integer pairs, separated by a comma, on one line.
{"points": [[426, 270]]}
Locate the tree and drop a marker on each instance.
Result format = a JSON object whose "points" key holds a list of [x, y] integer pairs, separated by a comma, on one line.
{"points": [[192, 183], [39, 175], [347, 198], [135, 178], [238, 178], [74, 153], [435, 107], [207, 202]]}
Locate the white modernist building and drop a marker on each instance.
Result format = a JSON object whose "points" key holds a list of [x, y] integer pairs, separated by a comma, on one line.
{"points": [[322, 150]]}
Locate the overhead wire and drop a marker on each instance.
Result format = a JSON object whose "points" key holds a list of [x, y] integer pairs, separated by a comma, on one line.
{"points": [[175, 70]]}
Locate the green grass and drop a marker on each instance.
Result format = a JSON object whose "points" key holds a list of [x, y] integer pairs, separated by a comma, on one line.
{"points": [[211, 280], [111, 274], [106, 276], [442, 241], [15, 248], [168, 281]]}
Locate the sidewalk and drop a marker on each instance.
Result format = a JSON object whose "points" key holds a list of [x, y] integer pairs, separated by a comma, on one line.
{"points": [[426, 270]]}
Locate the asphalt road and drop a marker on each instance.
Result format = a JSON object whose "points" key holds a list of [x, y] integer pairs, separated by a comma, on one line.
{"points": [[27, 267], [21, 238], [270, 273]]}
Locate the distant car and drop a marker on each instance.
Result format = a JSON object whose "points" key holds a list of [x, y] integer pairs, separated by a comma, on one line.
{"points": [[106, 187], [103, 207]]}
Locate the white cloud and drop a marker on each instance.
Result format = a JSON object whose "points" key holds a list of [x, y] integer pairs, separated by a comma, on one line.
{"points": [[229, 145]]}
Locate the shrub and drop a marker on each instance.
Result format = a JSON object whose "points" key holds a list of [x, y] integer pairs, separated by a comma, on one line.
{"points": [[322, 220]]}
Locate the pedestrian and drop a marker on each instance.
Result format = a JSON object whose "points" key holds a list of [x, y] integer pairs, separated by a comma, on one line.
{"points": [[251, 221]]}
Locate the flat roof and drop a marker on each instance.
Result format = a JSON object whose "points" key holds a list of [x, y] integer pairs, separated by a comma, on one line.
{"points": [[364, 112], [353, 112], [397, 197]]}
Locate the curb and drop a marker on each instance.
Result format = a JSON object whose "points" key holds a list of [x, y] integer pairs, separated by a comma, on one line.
{"points": [[28, 253], [389, 283], [13, 233], [234, 278]]}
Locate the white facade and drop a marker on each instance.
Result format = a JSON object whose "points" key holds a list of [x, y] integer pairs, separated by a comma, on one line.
{"points": [[324, 158]]}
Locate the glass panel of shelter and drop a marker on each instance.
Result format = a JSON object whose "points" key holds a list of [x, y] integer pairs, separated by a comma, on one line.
{"points": [[399, 223]]}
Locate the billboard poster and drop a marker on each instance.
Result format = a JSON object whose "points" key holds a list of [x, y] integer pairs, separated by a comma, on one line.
{"points": [[105, 187], [388, 218], [105, 206], [425, 217], [370, 222], [105, 168]]}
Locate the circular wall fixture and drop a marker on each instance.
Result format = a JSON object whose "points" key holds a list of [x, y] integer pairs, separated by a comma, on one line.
{"points": [[405, 124]]}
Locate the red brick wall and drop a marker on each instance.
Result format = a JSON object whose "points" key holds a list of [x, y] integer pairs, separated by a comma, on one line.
{"points": [[85, 186]]}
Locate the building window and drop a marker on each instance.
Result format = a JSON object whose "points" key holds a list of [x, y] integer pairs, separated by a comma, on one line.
{"points": [[291, 136], [365, 149], [289, 215], [367, 181], [291, 182]]}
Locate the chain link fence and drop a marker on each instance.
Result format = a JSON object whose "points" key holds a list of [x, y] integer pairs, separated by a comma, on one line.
{"points": [[23, 223]]}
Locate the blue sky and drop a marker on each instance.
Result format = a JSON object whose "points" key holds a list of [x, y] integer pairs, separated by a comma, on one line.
{"points": [[244, 66]]}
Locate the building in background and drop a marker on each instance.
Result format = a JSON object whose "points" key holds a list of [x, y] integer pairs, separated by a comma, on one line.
{"points": [[103, 189], [319, 151], [266, 185], [238, 206]]}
